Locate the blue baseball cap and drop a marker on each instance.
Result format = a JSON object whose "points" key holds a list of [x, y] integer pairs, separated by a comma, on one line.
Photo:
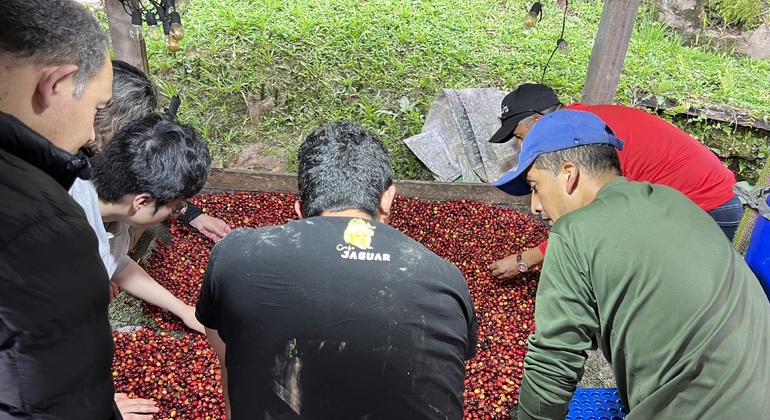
{"points": [[556, 131]]}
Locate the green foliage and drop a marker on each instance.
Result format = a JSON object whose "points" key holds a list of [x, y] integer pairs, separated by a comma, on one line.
{"points": [[742, 149], [381, 63], [743, 13]]}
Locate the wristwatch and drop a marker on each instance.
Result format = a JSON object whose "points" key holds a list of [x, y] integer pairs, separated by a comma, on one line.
{"points": [[521, 265]]}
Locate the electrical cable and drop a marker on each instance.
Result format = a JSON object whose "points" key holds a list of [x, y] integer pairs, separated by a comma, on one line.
{"points": [[559, 42]]}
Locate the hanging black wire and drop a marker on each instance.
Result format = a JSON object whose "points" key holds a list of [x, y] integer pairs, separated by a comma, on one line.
{"points": [[152, 11], [559, 43], [173, 107]]}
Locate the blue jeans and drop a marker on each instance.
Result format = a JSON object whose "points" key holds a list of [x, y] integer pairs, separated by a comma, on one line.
{"points": [[728, 216]]}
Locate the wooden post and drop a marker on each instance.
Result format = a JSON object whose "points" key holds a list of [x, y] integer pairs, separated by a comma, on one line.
{"points": [[609, 51], [123, 47]]}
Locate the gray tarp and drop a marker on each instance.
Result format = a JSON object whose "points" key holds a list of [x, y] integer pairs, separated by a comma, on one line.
{"points": [[454, 139], [756, 198]]}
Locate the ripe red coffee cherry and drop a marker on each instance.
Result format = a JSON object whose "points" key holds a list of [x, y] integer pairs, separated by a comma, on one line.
{"points": [[181, 371]]}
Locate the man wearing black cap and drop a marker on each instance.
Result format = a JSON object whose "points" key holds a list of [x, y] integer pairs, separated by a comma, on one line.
{"points": [[655, 151], [682, 318]]}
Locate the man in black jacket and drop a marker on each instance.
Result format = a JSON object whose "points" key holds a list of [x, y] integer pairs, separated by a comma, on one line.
{"points": [[55, 342]]}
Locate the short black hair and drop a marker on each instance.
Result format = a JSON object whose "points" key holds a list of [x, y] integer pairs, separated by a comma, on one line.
{"points": [[342, 166], [595, 159], [155, 155], [54, 32]]}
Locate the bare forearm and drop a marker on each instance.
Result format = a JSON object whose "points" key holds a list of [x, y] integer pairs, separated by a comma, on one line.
{"points": [[532, 257], [225, 393], [134, 280], [508, 267], [221, 349]]}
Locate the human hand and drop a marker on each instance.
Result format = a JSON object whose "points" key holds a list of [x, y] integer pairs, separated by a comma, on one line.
{"points": [[135, 408], [211, 227], [114, 290], [188, 317], [504, 269]]}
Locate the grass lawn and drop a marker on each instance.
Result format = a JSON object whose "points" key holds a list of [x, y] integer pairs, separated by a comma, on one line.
{"points": [[270, 71]]}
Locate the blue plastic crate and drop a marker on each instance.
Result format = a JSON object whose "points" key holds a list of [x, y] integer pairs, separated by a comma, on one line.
{"points": [[596, 404]]}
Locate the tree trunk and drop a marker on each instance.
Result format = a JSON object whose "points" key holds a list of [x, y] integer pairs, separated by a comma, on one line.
{"points": [[609, 51]]}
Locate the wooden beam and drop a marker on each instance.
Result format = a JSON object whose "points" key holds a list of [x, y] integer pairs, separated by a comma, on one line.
{"points": [[609, 51], [229, 180], [123, 47], [713, 111]]}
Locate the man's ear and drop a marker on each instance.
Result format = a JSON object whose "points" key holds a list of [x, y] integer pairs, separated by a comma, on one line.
{"points": [[54, 81], [298, 209], [141, 200], [572, 174], [386, 201]]}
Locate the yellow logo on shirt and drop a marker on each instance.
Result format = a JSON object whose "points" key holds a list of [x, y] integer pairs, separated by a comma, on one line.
{"points": [[359, 234]]}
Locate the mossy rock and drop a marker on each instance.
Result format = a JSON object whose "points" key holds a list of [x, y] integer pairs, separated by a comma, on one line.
{"points": [[684, 15], [719, 40], [741, 13]]}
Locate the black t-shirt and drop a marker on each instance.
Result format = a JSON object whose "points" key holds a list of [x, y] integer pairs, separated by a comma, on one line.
{"points": [[338, 318]]}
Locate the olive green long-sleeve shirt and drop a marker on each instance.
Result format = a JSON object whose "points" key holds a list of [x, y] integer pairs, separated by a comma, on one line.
{"points": [[683, 320]]}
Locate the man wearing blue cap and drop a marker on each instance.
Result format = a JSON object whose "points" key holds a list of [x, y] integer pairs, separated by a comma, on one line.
{"points": [[683, 320], [654, 151]]}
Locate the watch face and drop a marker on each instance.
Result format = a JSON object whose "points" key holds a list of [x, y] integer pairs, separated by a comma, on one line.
{"points": [[521, 265]]}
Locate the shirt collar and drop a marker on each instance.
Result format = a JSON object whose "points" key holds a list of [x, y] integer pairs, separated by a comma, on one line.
{"points": [[25, 143]]}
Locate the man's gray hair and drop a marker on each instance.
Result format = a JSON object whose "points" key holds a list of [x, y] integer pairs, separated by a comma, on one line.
{"points": [[54, 32], [530, 120], [134, 96]]}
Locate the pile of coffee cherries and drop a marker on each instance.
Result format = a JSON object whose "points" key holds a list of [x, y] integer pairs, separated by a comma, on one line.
{"points": [[178, 369]]}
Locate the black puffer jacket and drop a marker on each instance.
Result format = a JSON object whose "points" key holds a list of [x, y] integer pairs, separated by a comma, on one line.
{"points": [[55, 342]]}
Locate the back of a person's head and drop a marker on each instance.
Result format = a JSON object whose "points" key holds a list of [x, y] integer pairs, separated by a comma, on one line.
{"points": [[53, 32], [134, 96], [155, 155], [342, 166], [593, 159]]}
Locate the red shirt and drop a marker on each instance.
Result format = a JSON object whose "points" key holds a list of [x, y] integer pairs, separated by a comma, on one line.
{"points": [[658, 152]]}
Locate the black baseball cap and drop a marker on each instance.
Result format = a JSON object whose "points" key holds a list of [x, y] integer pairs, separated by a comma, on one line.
{"points": [[528, 99], [556, 131]]}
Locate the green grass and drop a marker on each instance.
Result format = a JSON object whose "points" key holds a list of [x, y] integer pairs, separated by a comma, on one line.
{"points": [[382, 62]]}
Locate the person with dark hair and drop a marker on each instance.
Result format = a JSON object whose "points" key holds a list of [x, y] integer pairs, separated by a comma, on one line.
{"points": [[681, 317], [139, 179], [55, 343], [134, 96], [338, 315], [655, 151]]}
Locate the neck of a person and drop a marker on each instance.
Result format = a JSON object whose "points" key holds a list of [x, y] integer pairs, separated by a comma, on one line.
{"points": [[17, 87], [113, 212], [594, 186], [350, 213]]}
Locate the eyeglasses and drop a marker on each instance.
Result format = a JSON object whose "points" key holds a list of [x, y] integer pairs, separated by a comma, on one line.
{"points": [[179, 210]]}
